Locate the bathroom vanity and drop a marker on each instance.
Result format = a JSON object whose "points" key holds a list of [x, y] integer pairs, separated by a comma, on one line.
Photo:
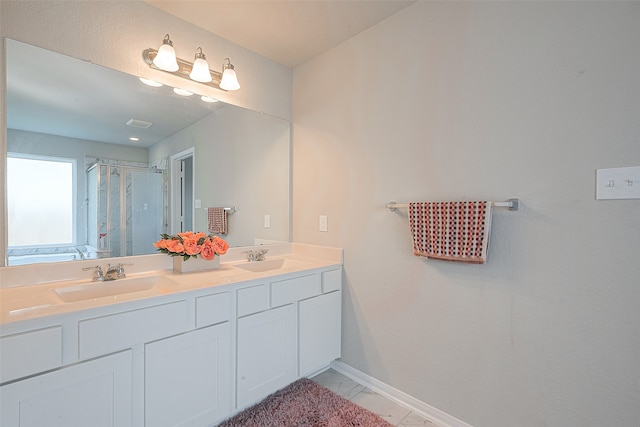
{"points": [[190, 349]]}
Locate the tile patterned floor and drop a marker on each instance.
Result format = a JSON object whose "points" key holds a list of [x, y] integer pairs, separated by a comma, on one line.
{"points": [[360, 395]]}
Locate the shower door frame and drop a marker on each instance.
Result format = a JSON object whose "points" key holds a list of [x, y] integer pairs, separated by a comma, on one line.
{"points": [[122, 195]]}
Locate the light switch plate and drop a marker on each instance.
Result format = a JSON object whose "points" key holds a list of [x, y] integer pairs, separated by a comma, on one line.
{"points": [[324, 226], [198, 203], [267, 221], [618, 183]]}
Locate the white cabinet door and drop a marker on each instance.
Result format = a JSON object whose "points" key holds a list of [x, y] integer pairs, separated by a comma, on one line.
{"points": [[95, 393], [188, 378], [319, 331], [267, 353]]}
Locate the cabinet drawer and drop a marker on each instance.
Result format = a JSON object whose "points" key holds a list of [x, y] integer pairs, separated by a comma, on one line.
{"points": [[252, 299], [331, 280], [212, 309], [296, 289], [107, 334], [30, 352]]}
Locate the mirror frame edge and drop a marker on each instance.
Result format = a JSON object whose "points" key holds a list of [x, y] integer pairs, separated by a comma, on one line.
{"points": [[3, 152]]}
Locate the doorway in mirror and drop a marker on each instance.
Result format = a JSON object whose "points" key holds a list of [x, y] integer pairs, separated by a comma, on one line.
{"points": [[182, 191]]}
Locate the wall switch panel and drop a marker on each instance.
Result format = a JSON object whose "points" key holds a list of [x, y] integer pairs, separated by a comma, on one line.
{"points": [[324, 226], [267, 221], [618, 183], [198, 203]]}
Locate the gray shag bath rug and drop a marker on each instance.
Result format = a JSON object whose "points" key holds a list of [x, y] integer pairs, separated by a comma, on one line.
{"points": [[305, 403]]}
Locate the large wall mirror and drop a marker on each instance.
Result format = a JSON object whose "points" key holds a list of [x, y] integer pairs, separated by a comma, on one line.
{"points": [[78, 187]]}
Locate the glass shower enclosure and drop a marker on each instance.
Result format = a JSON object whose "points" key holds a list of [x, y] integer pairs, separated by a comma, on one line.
{"points": [[126, 208]]}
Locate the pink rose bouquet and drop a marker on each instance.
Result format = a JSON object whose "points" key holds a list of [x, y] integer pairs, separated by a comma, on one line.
{"points": [[190, 244]]}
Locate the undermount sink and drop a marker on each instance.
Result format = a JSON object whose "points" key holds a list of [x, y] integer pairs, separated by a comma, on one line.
{"points": [[260, 266], [110, 288]]}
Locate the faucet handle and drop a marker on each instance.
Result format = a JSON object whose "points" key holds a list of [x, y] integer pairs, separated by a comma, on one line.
{"points": [[98, 275], [251, 256], [121, 274]]}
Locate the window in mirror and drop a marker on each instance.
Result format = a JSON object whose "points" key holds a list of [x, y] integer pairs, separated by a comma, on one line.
{"points": [[40, 194]]}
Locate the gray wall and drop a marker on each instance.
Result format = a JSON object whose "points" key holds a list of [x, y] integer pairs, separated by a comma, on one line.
{"points": [[484, 100], [242, 158]]}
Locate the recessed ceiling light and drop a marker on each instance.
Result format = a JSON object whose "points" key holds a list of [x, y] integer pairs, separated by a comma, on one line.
{"points": [[134, 138], [151, 82], [182, 92], [207, 99]]}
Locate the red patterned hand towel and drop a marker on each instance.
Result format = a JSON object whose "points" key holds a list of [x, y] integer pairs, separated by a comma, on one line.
{"points": [[217, 220], [453, 231]]}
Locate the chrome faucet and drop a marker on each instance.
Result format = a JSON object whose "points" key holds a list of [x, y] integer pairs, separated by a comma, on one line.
{"points": [[114, 272], [257, 255], [250, 256], [98, 276], [260, 253], [80, 253]]}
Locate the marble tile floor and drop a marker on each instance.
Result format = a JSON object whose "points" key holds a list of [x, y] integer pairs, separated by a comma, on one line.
{"points": [[360, 395]]}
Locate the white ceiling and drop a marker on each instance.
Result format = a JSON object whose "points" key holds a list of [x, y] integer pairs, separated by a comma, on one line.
{"points": [[289, 32]]}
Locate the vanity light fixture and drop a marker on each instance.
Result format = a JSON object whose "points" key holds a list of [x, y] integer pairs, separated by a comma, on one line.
{"points": [[208, 99], [229, 78], [164, 59]]}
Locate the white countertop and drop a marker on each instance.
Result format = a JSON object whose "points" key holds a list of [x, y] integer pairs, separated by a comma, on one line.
{"points": [[37, 300]]}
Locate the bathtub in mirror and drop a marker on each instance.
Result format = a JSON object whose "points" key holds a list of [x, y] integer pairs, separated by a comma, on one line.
{"points": [[120, 199]]}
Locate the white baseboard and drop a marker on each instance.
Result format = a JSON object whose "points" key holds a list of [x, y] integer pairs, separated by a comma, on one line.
{"points": [[432, 414]]}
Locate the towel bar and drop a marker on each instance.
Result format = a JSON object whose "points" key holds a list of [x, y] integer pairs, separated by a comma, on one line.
{"points": [[512, 204], [230, 210]]}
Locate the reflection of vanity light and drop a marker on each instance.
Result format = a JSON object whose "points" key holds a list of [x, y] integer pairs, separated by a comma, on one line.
{"points": [[182, 92], [134, 138], [150, 82], [207, 99]]}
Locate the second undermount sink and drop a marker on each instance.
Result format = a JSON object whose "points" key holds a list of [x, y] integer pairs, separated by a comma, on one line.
{"points": [[110, 288], [260, 266]]}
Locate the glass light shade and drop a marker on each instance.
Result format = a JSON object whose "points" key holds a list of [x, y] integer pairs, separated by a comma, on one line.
{"points": [[229, 80], [166, 57], [208, 99], [200, 71]]}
